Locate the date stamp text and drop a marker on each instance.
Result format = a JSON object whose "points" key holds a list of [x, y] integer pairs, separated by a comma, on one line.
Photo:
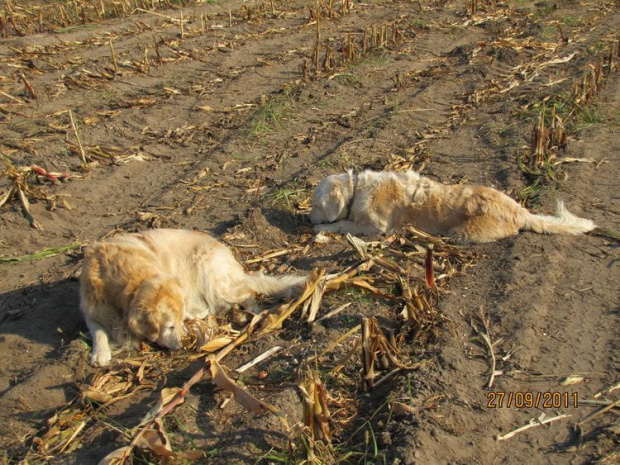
{"points": [[530, 399]]}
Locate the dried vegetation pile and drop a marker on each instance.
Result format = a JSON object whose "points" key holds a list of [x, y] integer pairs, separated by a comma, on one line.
{"points": [[408, 272]]}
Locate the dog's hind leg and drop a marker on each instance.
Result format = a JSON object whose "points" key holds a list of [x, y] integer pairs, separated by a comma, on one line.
{"points": [[347, 226]]}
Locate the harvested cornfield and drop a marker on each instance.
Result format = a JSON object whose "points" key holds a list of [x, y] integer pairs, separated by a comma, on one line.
{"points": [[222, 116]]}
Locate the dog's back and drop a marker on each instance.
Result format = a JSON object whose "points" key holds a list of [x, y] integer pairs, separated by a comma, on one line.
{"points": [[467, 213], [384, 199], [380, 196]]}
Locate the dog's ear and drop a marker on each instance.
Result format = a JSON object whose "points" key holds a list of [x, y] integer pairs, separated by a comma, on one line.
{"points": [[143, 323], [334, 204]]}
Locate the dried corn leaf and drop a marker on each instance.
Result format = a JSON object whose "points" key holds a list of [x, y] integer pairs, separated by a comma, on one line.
{"points": [[69, 443], [216, 344], [96, 396], [256, 321], [110, 387], [117, 457], [352, 352], [572, 380], [360, 246], [313, 304], [368, 351], [26, 208], [137, 103], [262, 357], [272, 254], [64, 427], [199, 332], [334, 312], [364, 284], [400, 407], [6, 196], [221, 380], [336, 282], [118, 385], [388, 264], [166, 395], [273, 322], [574, 160], [156, 440]]}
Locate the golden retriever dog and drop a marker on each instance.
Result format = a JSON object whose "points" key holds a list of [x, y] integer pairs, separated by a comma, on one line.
{"points": [[381, 202], [142, 286]]}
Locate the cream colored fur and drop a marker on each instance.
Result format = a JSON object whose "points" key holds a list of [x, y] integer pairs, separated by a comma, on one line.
{"points": [[381, 202], [142, 286]]}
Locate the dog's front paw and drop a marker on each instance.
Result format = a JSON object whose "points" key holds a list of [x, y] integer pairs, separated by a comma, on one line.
{"points": [[101, 358]]}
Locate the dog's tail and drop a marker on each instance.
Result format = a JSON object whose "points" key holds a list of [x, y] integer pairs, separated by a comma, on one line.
{"points": [[563, 222], [286, 285]]}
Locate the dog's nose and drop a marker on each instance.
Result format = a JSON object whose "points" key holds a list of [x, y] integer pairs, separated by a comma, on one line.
{"points": [[171, 343]]}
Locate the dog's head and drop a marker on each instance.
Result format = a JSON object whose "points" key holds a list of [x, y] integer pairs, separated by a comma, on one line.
{"points": [[157, 311], [331, 198]]}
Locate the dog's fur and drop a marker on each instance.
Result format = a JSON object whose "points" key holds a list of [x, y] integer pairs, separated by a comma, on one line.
{"points": [[142, 286], [381, 202]]}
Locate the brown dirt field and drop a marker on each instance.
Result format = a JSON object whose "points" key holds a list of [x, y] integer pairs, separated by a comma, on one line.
{"points": [[225, 125]]}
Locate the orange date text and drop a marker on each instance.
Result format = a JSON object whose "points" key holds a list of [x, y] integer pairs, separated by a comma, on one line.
{"points": [[530, 399]]}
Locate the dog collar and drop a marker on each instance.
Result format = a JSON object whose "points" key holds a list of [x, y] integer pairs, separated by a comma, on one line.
{"points": [[350, 202]]}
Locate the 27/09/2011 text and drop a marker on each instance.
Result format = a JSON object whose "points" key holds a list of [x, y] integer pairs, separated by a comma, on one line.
{"points": [[529, 399]]}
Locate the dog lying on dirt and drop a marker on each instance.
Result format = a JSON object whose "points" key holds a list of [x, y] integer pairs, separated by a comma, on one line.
{"points": [[142, 286], [381, 202]]}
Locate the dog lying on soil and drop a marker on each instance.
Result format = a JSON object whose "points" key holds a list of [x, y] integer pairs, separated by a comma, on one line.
{"points": [[382, 202], [143, 286]]}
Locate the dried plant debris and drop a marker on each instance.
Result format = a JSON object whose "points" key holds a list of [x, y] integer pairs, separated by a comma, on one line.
{"points": [[380, 353], [149, 434], [66, 430], [61, 16], [490, 344], [541, 420], [395, 269], [316, 419], [25, 184], [102, 154], [105, 389], [155, 440]]}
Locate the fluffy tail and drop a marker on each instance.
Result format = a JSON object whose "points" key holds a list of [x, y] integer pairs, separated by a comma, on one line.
{"points": [[286, 285], [563, 222]]}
